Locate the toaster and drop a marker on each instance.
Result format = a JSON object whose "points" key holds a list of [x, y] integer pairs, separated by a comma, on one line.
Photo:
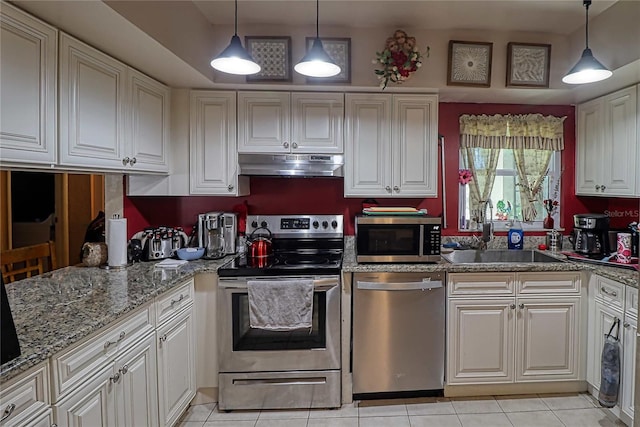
{"points": [[161, 242]]}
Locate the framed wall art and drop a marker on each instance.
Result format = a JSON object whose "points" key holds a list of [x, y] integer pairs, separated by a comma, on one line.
{"points": [[469, 63], [528, 65], [339, 49], [273, 54]]}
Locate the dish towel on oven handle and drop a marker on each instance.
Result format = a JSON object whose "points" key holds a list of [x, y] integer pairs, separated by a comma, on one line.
{"points": [[280, 305]]}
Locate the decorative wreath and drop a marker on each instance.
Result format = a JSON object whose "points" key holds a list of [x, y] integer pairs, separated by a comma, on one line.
{"points": [[400, 58]]}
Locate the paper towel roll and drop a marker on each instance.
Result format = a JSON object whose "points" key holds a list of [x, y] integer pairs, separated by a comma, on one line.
{"points": [[117, 242]]}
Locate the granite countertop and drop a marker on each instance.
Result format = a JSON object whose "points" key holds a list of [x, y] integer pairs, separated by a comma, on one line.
{"points": [[57, 309]]}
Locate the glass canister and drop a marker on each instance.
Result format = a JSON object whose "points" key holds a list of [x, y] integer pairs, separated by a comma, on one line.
{"points": [[554, 241]]}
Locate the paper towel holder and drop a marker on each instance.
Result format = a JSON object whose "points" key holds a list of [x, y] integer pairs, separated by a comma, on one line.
{"points": [[106, 265]]}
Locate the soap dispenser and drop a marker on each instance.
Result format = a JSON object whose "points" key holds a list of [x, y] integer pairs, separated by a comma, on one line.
{"points": [[515, 236]]}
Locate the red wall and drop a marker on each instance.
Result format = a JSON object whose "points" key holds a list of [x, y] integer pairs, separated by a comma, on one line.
{"points": [[325, 195]]}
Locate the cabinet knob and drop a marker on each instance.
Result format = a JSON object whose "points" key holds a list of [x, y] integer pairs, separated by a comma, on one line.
{"points": [[521, 305], [602, 187], [115, 377], [294, 145], [230, 187], [124, 369], [8, 411], [125, 161], [133, 161], [396, 188], [163, 338], [627, 325], [512, 306], [388, 189], [285, 145]]}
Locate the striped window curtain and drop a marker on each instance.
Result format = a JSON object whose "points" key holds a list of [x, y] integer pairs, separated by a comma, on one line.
{"points": [[533, 137]]}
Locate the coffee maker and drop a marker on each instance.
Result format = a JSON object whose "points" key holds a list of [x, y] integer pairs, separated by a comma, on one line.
{"points": [[590, 236], [217, 234]]}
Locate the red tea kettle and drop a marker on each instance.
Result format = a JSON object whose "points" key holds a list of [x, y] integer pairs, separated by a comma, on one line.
{"points": [[259, 248]]}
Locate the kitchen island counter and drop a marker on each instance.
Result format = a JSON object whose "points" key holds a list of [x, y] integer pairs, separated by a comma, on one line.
{"points": [[59, 308]]}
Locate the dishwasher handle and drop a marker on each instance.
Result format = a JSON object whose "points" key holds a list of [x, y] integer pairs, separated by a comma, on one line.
{"points": [[400, 286]]}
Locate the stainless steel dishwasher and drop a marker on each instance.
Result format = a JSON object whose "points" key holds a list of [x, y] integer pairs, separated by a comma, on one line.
{"points": [[398, 333]]}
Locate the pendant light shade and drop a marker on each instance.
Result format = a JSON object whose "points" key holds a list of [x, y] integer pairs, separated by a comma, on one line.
{"points": [[317, 62], [588, 69], [235, 59]]}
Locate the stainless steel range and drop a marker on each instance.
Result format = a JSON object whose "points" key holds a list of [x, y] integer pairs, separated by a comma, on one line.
{"points": [[269, 369]]}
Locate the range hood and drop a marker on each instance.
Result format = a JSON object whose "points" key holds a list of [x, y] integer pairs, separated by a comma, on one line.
{"points": [[293, 165]]}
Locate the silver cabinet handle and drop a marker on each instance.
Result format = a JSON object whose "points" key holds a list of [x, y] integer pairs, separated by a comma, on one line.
{"points": [[120, 338], [285, 145], [125, 161], [173, 301], [115, 377], [294, 145], [133, 161], [626, 325], [8, 411], [163, 338], [124, 369], [400, 286], [54, 425], [521, 306], [512, 306], [396, 188], [610, 293], [388, 189], [230, 187]]}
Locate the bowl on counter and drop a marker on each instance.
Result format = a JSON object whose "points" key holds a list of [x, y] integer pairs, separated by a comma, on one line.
{"points": [[190, 254]]}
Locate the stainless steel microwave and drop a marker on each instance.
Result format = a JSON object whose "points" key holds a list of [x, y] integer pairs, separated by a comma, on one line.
{"points": [[398, 239]]}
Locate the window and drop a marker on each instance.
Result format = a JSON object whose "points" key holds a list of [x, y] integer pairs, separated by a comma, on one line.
{"points": [[505, 194]]}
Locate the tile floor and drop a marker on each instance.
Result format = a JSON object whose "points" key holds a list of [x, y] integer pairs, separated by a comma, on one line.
{"points": [[547, 410]]}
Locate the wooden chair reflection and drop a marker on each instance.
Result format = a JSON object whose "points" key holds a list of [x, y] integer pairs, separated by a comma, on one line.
{"points": [[28, 261]]}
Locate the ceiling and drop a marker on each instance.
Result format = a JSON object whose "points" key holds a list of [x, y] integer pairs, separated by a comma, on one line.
{"points": [[561, 17]]}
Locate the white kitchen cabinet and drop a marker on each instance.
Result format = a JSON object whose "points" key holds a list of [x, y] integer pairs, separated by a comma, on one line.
{"points": [[213, 148], [111, 117], [176, 365], [607, 145], [393, 145], [26, 399], [493, 338], [28, 83], [296, 122]]}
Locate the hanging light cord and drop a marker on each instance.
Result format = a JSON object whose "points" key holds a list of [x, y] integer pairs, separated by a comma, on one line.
{"points": [[317, 19], [235, 28], [587, 3]]}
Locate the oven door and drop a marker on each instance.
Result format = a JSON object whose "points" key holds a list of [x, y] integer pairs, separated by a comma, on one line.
{"points": [[244, 349]]}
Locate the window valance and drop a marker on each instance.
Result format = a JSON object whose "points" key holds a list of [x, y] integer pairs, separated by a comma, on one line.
{"points": [[522, 131]]}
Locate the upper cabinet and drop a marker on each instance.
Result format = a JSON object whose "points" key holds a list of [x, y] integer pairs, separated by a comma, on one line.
{"points": [[28, 54], [111, 116], [393, 145], [607, 153], [284, 122]]}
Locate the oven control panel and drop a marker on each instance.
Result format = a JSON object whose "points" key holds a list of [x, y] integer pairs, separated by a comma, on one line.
{"points": [[298, 225]]}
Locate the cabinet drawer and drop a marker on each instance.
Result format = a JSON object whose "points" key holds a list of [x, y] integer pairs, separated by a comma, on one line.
{"points": [[174, 301], [28, 396], [479, 284], [71, 368], [631, 301], [610, 291], [548, 283]]}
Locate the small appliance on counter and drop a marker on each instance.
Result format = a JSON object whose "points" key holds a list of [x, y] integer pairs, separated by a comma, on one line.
{"points": [[217, 232], [159, 243], [590, 235]]}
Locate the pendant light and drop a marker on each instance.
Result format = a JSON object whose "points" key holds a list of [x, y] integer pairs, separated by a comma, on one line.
{"points": [[588, 69], [235, 59], [317, 62]]}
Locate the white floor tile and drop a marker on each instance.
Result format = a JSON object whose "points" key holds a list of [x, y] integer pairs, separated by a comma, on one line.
{"points": [[521, 403], [347, 411], [283, 414], [333, 422], [475, 405], [484, 420], [567, 401], [382, 410], [397, 421], [234, 416], [295, 422], [191, 424], [434, 421], [229, 423], [593, 417], [435, 407], [534, 419], [198, 412]]}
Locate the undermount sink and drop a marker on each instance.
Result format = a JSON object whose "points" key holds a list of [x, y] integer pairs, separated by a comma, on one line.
{"points": [[497, 256]]}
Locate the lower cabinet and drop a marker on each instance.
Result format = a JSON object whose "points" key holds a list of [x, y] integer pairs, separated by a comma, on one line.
{"points": [[25, 401], [176, 366], [497, 339]]}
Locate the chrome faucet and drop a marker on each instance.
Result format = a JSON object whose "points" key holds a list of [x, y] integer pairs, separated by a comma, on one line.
{"points": [[487, 226]]}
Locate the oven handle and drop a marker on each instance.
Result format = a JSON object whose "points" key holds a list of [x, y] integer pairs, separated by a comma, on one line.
{"points": [[400, 286], [318, 285]]}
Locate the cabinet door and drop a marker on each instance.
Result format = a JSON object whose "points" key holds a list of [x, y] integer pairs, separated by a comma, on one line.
{"points": [[415, 146], [628, 372], [368, 153], [137, 390], [548, 339], [619, 160], [264, 122], [603, 317], [214, 157], [92, 404], [480, 341], [176, 366], [28, 54], [148, 130], [92, 94], [317, 122], [590, 140]]}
